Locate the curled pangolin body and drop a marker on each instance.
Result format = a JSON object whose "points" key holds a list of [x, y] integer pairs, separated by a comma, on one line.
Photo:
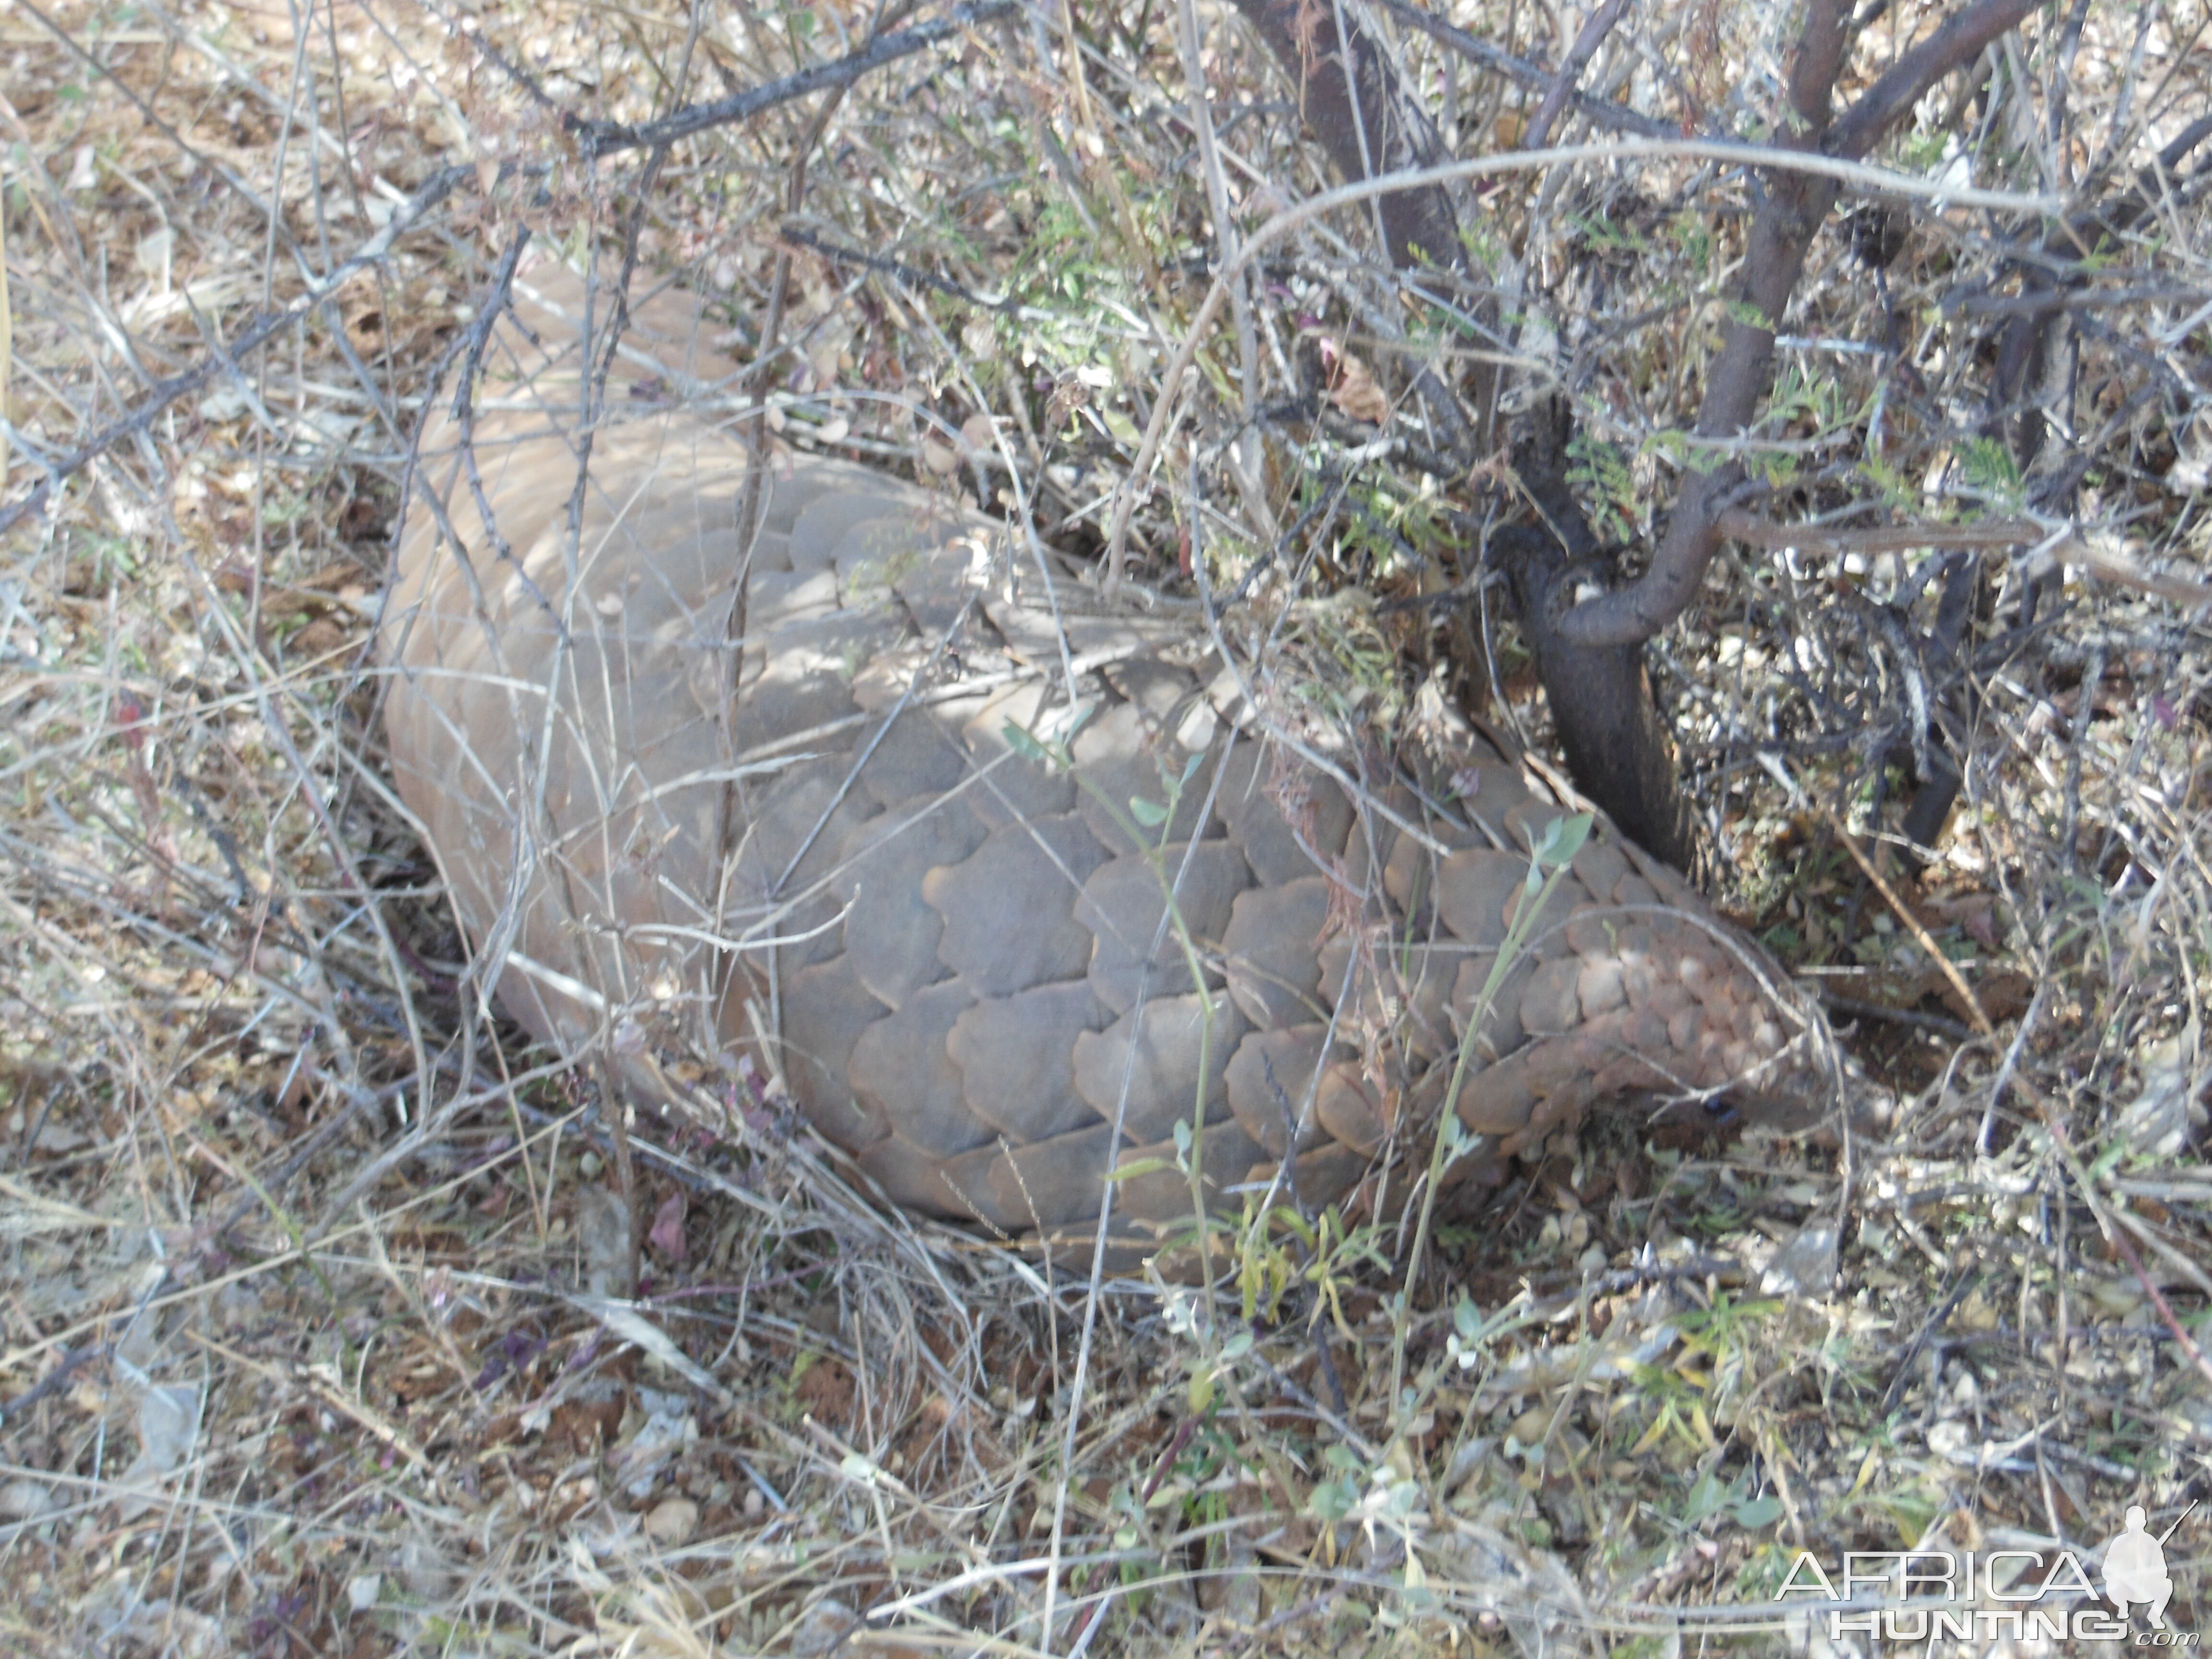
{"points": [[959, 958]]}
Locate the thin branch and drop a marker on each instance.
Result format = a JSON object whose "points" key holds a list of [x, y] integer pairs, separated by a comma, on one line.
{"points": [[225, 361], [2063, 543], [1918, 928], [1351, 101], [1755, 532], [2044, 302], [1958, 40], [1941, 1025], [1614, 118], [1004, 305], [599, 138], [2052, 279], [728, 817], [1596, 27]]}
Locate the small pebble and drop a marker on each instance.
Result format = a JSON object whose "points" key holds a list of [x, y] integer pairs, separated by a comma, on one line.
{"points": [[672, 1521]]}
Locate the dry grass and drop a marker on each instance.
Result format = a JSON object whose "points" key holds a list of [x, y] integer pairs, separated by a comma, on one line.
{"points": [[300, 1253]]}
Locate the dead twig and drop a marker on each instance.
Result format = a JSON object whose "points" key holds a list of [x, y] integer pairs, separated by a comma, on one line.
{"points": [[2061, 544], [1525, 71], [1918, 929]]}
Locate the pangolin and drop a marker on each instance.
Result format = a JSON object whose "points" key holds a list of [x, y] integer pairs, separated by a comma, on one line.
{"points": [[907, 857]]}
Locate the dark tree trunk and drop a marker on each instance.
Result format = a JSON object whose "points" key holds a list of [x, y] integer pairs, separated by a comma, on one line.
{"points": [[1608, 723], [1365, 121]]}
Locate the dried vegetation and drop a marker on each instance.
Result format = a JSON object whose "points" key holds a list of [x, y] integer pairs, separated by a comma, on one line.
{"points": [[306, 1346]]}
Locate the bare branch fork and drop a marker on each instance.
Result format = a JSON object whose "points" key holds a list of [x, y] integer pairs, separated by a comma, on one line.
{"points": [[1596, 27], [1646, 807], [1808, 168], [2053, 276], [1354, 104]]}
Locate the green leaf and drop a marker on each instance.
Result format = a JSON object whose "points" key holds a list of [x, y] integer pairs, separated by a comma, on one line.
{"points": [[1602, 471], [1202, 1393], [1563, 839], [1760, 1512], [1080, 719], [1019, 740], [1684, 449], [1467, 1318], [1150, 813], [1990, 467], [1143, 1166], [1706, 1496], [1332, 1500]]}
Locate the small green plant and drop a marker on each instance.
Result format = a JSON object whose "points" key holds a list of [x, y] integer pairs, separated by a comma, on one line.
{"points": [[1896, 490], [281, 508], [1988, 467], [1922, 151], [1386, 523], [1684, 450], [1695, 241], [1600, 472], [1679, 1425], [1800, 394], [1710, 1494], [1777, 470], [1486, 248], [1604, 234], [112, 557], [1279, 1248]]}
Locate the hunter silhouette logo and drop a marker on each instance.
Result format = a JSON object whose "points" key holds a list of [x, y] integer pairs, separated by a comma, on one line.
{"points": [[2135, 1567]]}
